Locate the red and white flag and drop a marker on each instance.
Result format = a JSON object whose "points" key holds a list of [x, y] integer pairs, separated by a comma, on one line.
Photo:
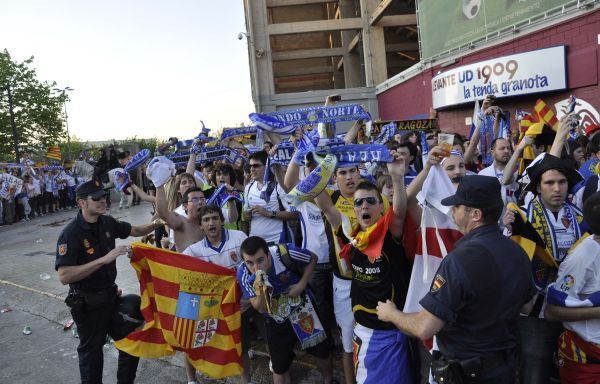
{"points": [[435, 237]]}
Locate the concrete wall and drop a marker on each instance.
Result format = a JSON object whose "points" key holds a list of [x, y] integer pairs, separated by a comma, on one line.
{"points": [[581, 35]]}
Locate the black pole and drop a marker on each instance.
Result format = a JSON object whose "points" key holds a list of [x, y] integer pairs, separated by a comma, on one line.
{"points": [[13, 124]]}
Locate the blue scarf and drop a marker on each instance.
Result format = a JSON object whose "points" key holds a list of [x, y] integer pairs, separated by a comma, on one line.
{"points": [[285, 122], [221, 196], [387, 133], [235, 132]]}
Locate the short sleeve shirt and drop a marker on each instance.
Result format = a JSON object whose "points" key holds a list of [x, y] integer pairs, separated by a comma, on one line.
{"points": [[478, 291], [81, 242], [578, 279]]}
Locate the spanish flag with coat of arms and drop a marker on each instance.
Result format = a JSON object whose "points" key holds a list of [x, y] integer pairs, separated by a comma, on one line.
{"points": [[188, 305]]}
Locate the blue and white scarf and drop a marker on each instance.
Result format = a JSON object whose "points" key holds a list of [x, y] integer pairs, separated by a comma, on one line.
{"points": [[221, 196], [285, 122], [387, 133], [235, 132]]}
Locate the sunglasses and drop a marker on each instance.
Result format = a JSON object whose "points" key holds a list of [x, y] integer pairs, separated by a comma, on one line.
{"points": [[429, 137], [255, 165], [196, 200], [97, 198], [370, 200]]}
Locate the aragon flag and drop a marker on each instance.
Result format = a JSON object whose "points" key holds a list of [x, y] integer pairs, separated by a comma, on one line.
{"points": [[188, 305]]}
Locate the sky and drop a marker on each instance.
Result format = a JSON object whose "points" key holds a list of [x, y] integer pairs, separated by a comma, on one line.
{"points": [[151, 68]]}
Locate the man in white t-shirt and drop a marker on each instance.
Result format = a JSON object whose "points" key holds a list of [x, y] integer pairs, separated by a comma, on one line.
{"points": [[221, 246], [263, 205], [501, 153]]}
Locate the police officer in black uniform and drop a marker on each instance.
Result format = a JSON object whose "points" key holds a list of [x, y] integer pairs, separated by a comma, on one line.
{"points": [[476, 295], [86, 260]]}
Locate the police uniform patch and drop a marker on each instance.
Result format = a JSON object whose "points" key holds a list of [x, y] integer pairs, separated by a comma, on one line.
{"points": [[437, 283], [62, 249]]}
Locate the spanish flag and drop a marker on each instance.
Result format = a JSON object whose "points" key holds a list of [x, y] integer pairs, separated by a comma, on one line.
{"points": [[188, 305], [53, 153]]}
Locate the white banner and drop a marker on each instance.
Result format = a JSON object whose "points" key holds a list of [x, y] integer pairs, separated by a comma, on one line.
{"points": [[530, 72]]}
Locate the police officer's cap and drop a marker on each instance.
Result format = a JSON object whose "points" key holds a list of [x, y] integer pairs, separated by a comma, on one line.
{"points": [[92, 188], [476, 191]]}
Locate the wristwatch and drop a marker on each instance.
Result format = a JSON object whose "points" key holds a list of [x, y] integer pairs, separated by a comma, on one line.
{"points": [[273, 214]]}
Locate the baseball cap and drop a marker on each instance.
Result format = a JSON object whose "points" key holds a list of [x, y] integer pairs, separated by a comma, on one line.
{"points": [[92, 188], [476, 191]]}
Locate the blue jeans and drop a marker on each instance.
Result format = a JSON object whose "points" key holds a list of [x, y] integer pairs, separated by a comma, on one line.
{"points": [[537, 346]]}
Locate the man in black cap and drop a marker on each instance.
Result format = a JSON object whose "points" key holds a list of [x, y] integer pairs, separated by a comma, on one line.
{"points": [[475, 298], [86, 260], [559, 225]]}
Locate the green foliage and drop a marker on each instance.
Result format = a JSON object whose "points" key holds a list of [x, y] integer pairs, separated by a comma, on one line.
{"points": [[36, 109]]}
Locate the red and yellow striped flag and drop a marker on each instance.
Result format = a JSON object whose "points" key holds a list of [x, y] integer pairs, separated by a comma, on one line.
{"points": [[53, 152], [188, 305], [545, 114]]}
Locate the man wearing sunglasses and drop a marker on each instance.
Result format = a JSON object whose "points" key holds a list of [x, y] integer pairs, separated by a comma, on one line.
{"points": [[380, 271], [86, 260]]}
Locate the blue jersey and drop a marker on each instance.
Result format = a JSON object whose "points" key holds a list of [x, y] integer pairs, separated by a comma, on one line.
{"points": [[280, 277]]}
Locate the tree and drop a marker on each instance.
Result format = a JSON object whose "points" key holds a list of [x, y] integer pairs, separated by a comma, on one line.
{"points": [[30, 114]]}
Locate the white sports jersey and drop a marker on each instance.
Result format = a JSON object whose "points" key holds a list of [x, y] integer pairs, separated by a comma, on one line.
{"points": [[579, 277], [226, 254], [314, 237]]}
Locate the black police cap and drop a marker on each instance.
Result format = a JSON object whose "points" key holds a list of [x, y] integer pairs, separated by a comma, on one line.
{"points": [[476, 191], [92, 188]]}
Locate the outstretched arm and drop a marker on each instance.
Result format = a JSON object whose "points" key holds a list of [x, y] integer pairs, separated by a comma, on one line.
{"points": [[396, 170], [421, 324], [143, 195], [325, 204], [513, 163], [564, 126], [173, 220]]}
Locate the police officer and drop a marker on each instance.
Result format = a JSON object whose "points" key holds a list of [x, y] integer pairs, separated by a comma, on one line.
{"points": [[86, 260], [476, 295]]}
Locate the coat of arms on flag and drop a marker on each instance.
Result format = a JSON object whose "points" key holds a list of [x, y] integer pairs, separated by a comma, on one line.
{"points": [[188, 305]]}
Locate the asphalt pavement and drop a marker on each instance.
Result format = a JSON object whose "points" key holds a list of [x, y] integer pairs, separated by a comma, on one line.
{"points": [[31, 296]]}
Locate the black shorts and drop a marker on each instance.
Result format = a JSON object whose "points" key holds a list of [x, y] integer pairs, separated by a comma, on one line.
{"points": [[281, 339]]}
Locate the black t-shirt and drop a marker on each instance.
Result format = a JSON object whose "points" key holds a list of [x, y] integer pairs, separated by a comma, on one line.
{"points": [[386, 278], [81, 242], [478, 291]]}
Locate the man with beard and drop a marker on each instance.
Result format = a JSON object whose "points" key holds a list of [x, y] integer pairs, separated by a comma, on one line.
{"points": [[501, 153], [559, 225]]}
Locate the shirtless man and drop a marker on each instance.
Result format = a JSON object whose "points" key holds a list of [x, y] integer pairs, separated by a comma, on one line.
{"points": [[186, 229]]}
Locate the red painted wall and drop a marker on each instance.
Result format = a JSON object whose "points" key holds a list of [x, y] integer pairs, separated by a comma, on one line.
{"points": [[580, 35]]}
